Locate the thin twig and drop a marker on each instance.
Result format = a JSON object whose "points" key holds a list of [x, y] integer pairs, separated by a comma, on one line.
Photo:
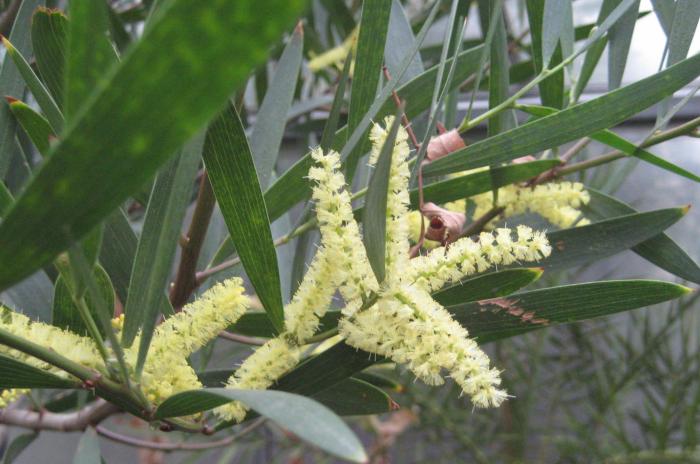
{"points": [[186, 279], [478, 225], [180, 446], [242, 338], [404, 119], [92, 414]]}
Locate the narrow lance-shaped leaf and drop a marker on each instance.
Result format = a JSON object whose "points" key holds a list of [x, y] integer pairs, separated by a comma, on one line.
{"points": [[156, 248], [557, 28], [11, 82], [232, 174], [571, 123], [499, 318], [374, 23], [613, 140], [17, 445], [552, 88], [66, 314], [49, 36], [620, 37], [36, 87], [660, 249], [34, 125], [585, 244], [303, 417], [271, 119], [143, 87], [89, 54], [374, 233], [88, 451], [16, 374]]}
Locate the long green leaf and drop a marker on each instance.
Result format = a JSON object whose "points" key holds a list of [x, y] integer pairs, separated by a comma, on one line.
{"points": [[613, 140], [620, 38], [156, 248], [49, 36], [232, 174], [399, 42], [660, 249], [374, 23], [16, 374], [305, 418], [585, 244], [374, 232], [65, 312], [89, 54], [557, 29], [552, 88], [11, 82], [35, 125], [499, 318], [271, 119], [85, 184], [571, 123], [36, 87]]}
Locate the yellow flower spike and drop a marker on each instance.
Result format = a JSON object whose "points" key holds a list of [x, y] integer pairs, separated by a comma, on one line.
{"points": [[335, 56], [558, 202], [166, 370], [258, 372], [8, 396]]}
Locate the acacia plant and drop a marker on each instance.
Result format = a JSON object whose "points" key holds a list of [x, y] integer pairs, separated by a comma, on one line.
{"points": [[390, 241]]}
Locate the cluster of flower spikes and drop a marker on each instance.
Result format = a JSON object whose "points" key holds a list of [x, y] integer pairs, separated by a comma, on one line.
{"points": [[396, 318], [166, 370]]}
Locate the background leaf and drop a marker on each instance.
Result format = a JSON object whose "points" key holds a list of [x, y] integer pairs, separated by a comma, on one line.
{"points": [[88, 451], [16, 374], [49, 36], [83, 191]]}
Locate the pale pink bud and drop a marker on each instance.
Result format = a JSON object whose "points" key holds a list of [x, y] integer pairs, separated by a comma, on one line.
{"points": [[445, 226], [444, 144]]}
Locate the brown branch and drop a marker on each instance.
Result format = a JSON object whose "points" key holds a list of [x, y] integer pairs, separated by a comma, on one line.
{"points": [[186, 279], [478, 225], [404, 119], [92, 414], [180, 446]]}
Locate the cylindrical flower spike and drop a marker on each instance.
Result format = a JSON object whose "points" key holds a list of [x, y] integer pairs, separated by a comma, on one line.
{"points": [[258, 372], [167, 371], [397, 202], [466, 257], [556, 202]]}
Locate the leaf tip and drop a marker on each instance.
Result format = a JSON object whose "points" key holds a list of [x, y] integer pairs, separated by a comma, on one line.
{"points": [[299, 29], [685, 209], [8, 45], [10, 100]]}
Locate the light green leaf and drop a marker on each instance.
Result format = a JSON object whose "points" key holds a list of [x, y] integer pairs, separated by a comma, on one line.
{"points": [[620, 38], [166, 209], [303, 417], [35, 126], [232, 174], [399, 43], [571, 123], [271, 119], [17, 445], [11, 82], [144, 88], [552, 88], [49, 35], [557, 29], [65, 313]]}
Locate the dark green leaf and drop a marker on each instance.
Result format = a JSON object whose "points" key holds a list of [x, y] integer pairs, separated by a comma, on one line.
{"points": [[498, 318], [11, 82], [303, 417], [552, 88], [660, 249], [36, 87], [88, 451], [170, 197], [34, 125], [271, 119], [490, 285], [65, 313], [369, 56], [49, 35], [374, 232], [499, 82], [143, 88], [16, 374], [89, 54], [118, 251], [232, 174], [353, 397], [18, 444], [571, 123], [585, 244], [331, 127]]}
